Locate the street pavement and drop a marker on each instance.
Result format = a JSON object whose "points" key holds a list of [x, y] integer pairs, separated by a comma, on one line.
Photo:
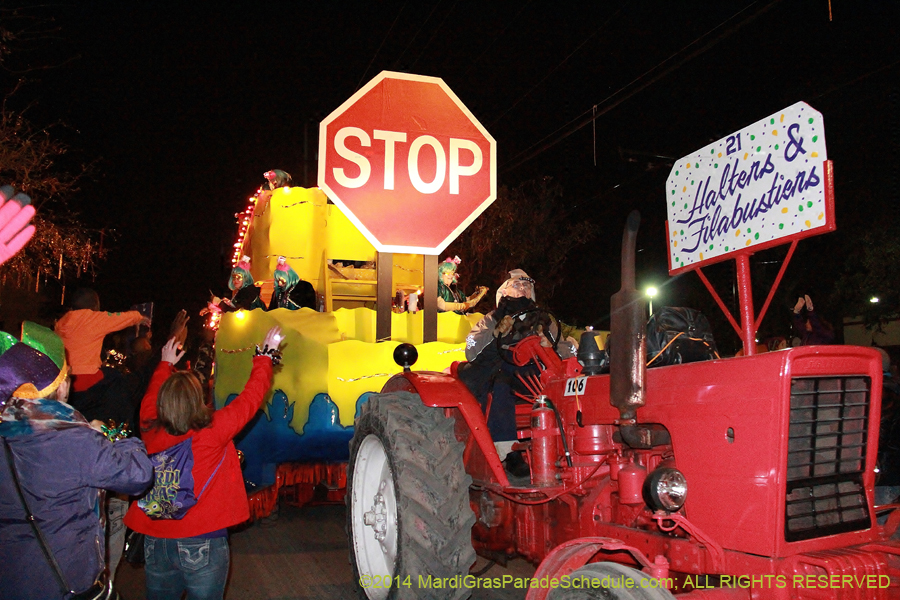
{"points": [[301, 554]]}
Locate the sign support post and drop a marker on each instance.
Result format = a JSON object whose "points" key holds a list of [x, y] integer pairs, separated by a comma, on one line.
{"points": [[745, 296], [384, 295], [429, 269]]}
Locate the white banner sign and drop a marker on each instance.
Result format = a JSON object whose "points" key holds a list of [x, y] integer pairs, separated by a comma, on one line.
{"points": [[751, 189]]}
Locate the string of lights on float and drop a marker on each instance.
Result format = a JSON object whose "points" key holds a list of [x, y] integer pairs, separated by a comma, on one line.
{"points": [[242, 220]]}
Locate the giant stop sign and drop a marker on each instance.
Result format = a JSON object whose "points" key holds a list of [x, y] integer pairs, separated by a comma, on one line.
{"points": [[408, 163]]}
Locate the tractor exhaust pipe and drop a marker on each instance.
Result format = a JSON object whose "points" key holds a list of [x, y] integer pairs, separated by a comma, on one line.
{"points": [[628, 359]]}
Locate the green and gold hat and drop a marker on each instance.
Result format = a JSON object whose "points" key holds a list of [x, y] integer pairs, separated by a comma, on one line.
{"points": [[34, 367]]}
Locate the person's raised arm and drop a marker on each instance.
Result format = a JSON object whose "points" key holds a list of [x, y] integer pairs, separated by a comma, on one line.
{"points": [[171, 354], [232, 418], [178, 329]]}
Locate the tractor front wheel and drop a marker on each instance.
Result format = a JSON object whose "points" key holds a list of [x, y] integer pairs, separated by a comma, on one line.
{"points": [[408, 514]]}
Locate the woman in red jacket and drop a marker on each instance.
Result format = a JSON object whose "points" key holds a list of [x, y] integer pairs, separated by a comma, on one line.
{"points": [[191, 554]]}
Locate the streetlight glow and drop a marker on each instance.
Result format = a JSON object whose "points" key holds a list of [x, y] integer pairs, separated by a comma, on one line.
{"points": [[651, 292], [874, 299]]}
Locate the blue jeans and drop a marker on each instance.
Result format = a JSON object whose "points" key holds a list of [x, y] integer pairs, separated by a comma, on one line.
{"points": [[196, 565]]}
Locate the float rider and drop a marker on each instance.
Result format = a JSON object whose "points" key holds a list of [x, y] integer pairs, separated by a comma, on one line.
{"points": [[244, 294], [450, 297]]}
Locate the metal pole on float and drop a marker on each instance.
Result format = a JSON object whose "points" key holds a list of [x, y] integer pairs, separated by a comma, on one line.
{"points": [[383, 295], [430, 289]]}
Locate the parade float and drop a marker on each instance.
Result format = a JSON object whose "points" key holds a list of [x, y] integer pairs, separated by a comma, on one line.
{"points": [[404, 168], [332, 359]]}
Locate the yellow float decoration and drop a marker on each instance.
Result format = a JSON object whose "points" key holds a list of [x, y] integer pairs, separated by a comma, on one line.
{"points": [[331, 358]]}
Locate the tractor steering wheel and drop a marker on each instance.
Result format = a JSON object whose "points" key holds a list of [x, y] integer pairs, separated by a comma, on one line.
{"points": [[546, 331]]}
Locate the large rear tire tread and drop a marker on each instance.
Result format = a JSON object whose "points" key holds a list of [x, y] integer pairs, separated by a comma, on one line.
{"points": [[614, 591], [434, 519]]}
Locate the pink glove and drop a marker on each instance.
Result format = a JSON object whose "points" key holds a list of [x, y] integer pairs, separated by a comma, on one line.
{"points": [[15, 213]]}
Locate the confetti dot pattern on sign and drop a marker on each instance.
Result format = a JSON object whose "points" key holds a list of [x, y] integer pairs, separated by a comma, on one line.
{"points": [[760, 193]]}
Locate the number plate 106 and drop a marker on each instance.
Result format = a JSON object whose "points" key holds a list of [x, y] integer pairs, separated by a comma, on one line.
{"points": [[575, 386]]}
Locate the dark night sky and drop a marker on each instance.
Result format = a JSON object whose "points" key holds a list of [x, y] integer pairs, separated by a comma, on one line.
{"points": [[187, 107]]}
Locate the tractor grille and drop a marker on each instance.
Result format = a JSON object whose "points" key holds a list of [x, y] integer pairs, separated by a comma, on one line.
{"points": [[826, 457]]}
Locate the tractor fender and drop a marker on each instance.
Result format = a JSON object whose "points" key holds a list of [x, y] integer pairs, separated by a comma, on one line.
{"points": [[440, 390], [566, 558]]}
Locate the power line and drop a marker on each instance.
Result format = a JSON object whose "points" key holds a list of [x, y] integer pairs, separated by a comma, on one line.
{"points": [[386, 36], [556, 68], [418, 31], [612, 101], [496, 37], [436, 30], [835, 88]]}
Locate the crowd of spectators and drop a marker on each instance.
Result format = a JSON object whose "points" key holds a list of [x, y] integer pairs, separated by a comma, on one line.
{"points": [[71, 464]]}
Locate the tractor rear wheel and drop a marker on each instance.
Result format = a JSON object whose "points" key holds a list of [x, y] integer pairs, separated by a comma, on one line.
{"points": [[408, 514], [613, 582]]}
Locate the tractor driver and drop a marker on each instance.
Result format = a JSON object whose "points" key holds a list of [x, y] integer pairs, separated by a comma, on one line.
{"points": [[489, 368]]}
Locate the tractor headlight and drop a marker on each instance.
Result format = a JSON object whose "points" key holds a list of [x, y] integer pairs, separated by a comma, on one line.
{"points": [[665, 489]]}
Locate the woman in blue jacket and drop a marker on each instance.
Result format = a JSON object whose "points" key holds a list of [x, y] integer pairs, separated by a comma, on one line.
{"points": [[63, 465]]}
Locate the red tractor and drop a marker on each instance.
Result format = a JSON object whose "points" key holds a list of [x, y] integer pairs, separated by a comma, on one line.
{"points": [[739, 478]]}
